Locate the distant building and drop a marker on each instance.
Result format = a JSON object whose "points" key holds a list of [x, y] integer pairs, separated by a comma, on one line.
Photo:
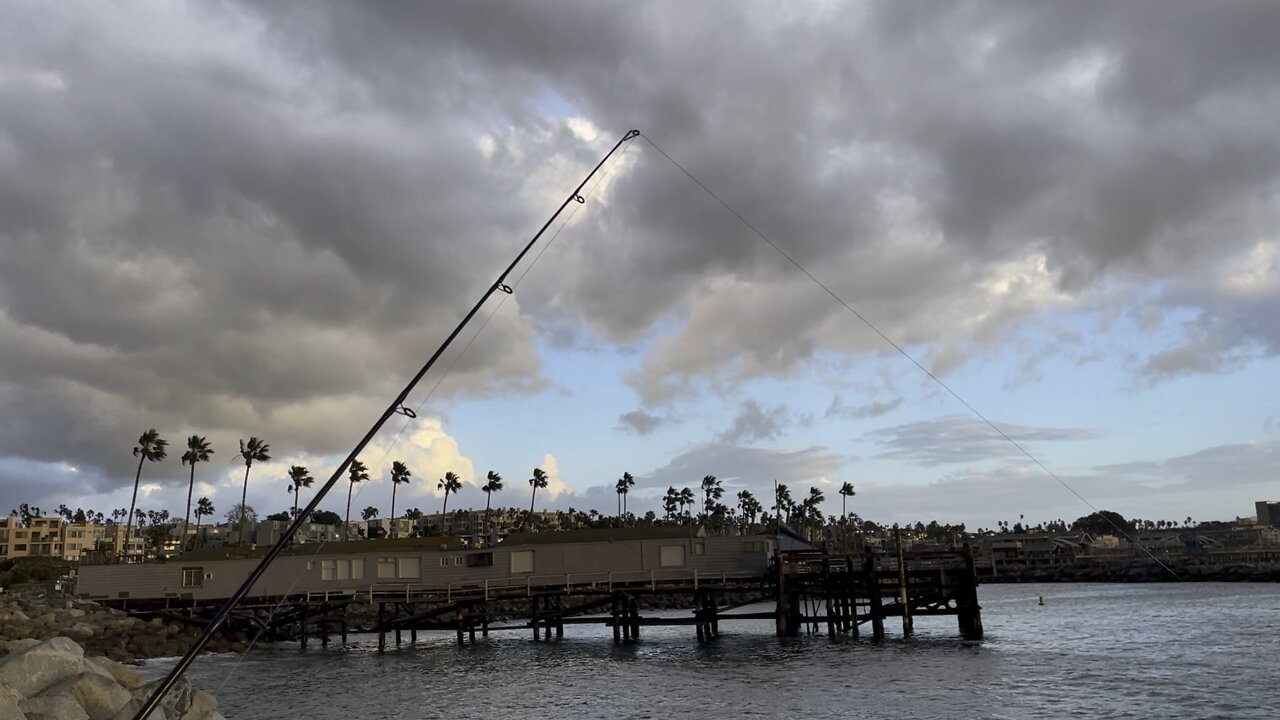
{"points": [[269, 532], [42, 537], [1268, 513], [50, 537]]}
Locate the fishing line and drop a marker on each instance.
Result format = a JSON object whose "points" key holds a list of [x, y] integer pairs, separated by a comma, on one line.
{"points": [[587, 192], [904, 353]]}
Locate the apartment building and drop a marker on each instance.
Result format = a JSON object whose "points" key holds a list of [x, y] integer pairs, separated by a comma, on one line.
{"points": [[50, 537]]}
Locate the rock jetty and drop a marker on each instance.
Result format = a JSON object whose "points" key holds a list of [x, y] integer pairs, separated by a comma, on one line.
{"points": [[102, 630], [54, 680]]}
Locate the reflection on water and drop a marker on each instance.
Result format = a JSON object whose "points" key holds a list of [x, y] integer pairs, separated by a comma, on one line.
{"points": [[1099, 651]]}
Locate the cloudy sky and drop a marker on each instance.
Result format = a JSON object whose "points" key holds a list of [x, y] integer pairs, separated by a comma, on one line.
{"points": [[234, 220]]}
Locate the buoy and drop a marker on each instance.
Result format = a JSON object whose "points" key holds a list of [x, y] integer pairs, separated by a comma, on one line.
{"points": [[1041, 599]]}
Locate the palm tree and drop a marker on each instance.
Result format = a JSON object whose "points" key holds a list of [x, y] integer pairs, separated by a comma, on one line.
{"points": [[299, 477], [811, 508], [198, 451], [255, 449], [450, 483], [686, 500], [204, 507], [539, 480], [357, 473], [493, 485], [846, 492], [711, 491], [749, 506], [625, 483], [399, 474], [670, 501], [369, 513], [782, 503], [151, 448]]}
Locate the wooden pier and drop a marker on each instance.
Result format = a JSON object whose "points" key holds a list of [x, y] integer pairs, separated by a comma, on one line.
{"points": [[811, 591]]}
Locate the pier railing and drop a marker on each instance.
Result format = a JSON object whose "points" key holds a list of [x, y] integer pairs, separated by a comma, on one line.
{"points": [[567, 583]]}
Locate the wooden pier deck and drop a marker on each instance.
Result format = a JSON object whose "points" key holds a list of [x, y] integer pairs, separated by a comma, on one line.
{"points": [[810, 591]]}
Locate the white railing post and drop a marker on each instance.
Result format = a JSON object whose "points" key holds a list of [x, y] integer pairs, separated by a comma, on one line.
{"points": [[610, 581], [695, 578], [653, 580], [486, 591], [448, 593]]}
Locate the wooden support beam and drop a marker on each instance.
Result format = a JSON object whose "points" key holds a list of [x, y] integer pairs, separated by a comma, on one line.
{"points": [[968, 612], [382, 631], [904, 600], [615, 615], [873, 596]]}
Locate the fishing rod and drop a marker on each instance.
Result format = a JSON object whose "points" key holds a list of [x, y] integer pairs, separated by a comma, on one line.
{"points": [[397, 407]]}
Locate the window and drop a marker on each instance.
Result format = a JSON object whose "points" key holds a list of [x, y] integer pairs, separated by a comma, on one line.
{"points": [[480, 559], [457, 559], [410, 568], [386, 568], [521, 561], [700, 548], [19, 548], [342, 569], [192, 577], [444, 561], [670, 556], [754, 546]]}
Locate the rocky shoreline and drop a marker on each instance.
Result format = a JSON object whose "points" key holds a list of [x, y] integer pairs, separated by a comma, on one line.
{"points": [[54, 680], [101, 630]]}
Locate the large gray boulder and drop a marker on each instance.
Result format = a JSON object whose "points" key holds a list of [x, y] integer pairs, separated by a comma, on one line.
{"points": [[35, 668], [98, 695], [54, 707], [123, 674], [9, 709]]}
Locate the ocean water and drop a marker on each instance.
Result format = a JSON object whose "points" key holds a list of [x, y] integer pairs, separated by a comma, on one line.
{"points": [[1187, 650]]}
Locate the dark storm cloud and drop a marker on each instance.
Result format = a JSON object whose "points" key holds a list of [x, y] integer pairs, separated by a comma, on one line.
{"points": [[838, 409], [639, 422], [754, 424], [238, 218], [957, 439]]}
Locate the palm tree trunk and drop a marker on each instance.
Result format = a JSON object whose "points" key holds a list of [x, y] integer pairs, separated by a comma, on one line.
{"points": [[488, 497], [533, 496], [444, 513], [844, 520], [346, 525], [393, 509], [243, 495], [128, 528], [197, 542], [296, 489], [186, 520]]}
